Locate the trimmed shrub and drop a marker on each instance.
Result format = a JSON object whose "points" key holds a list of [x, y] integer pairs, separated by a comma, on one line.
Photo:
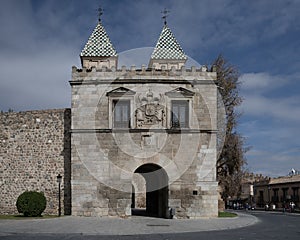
{"points": [[31, 203]]}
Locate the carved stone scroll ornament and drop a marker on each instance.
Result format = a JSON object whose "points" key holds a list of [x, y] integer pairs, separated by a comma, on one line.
{"points": [[151, 112]]}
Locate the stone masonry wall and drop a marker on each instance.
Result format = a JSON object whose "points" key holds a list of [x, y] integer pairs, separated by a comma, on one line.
{"points": [[34, 149], [105, 158]]}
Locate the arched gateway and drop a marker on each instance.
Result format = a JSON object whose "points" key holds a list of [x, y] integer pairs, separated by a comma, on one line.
{"points": [[156, 190], [157, 124]]}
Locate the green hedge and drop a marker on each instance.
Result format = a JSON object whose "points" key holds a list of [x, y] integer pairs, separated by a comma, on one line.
{"points": [[31, 203], [227, 214]]}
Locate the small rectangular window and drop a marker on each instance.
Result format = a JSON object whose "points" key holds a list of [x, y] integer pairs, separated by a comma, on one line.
{"points": [[180, 113], [121, 113]]}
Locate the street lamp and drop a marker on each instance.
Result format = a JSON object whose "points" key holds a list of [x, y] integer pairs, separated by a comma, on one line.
{"points": [[269, 188], [59, 178], [251, 194]]}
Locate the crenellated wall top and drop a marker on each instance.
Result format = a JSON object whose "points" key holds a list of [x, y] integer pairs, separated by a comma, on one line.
{"points": [[133, 73]]}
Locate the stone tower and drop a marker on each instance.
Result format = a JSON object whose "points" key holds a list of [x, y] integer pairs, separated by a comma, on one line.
{"points": [[145, 134], [99, 52], [167, 52]]}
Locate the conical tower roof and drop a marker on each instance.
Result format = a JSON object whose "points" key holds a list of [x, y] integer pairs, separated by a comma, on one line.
{"points": [[167, 47], [98, 44]]}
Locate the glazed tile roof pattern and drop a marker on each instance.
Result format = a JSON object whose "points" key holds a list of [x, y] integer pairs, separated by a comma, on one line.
{"points": [[99, 44], [167, 46]]}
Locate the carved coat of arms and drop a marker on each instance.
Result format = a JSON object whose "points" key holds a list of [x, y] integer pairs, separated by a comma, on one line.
{"points": [[151, 111]]}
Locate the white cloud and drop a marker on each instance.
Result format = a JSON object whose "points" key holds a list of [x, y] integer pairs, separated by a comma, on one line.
{"points": [[285, 109], [263, 81], [235, 23], [41, 82], [254, 81], [272, 163], [260, 98], [271, 122]]}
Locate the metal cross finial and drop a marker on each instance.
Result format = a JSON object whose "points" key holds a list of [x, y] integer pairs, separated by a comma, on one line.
{"points": [[100, 13], [165, 14]]}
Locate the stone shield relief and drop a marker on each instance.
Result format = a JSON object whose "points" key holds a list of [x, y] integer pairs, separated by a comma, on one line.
{"points": [[150, 112]]}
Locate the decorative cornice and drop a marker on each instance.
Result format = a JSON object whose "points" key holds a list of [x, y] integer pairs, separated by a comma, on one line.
{"points": [[141, 81], [128, 130]]}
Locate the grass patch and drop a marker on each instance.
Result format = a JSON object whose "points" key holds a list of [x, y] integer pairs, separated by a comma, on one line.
{"points": [[21, 217], [226, 214]]}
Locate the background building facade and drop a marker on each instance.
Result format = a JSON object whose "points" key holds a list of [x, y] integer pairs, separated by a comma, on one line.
{"points": [[278, 192]]}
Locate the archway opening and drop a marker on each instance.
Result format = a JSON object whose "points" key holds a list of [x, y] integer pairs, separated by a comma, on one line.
{"points": [[151, 191]]}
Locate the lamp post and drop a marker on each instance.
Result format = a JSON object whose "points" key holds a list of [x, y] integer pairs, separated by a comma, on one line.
{"points": [[251, 194], [269, 188], [59, 178]]}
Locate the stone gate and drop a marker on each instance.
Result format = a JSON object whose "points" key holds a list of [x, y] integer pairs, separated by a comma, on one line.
{"points": [[156, 122]]}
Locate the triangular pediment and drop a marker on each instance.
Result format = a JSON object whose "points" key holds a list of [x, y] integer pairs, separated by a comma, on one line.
{"points": [[121, 91], [180, 92]]}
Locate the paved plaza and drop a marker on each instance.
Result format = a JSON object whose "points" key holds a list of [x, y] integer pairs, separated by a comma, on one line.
{"points": [[112, 226]]}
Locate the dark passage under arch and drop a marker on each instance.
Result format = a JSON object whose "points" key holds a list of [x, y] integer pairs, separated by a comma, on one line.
{"points": [[156, 190]]}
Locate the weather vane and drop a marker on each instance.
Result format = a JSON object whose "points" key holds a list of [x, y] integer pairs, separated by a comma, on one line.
{"points": [[100, 13], [165, 14]]}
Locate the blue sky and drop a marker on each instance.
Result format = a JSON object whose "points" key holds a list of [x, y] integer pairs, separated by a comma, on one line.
{"points": [[41, 40]]}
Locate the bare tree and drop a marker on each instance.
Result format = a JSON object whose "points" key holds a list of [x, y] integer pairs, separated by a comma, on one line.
{"points": [[230, 144]]}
